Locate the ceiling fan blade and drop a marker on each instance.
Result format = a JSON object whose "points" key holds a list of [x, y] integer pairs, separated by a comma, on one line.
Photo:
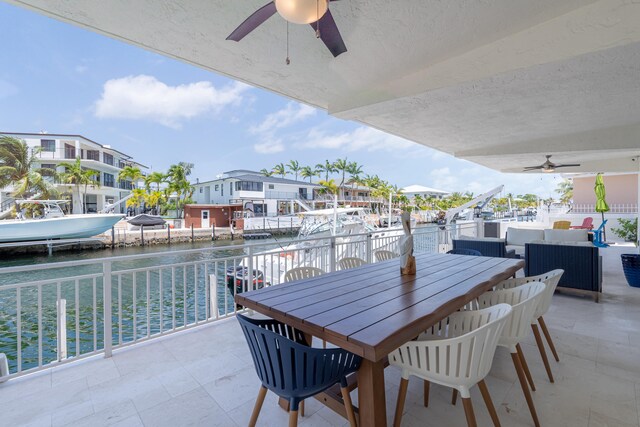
{"points": [[568, 165], [530, 168], [253, 21], [330, 34]]}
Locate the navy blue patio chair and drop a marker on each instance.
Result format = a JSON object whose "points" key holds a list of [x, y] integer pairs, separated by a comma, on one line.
{"points": [[464, 251], [287, 366]]}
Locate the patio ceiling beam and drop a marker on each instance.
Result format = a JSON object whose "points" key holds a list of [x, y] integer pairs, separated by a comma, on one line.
{"points": [[601, 25], [613, 139]]}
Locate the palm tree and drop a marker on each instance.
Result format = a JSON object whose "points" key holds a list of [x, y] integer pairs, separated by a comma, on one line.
{"points": [[327, 168], [154, 178], [308, 172], [280, 169], [294, 167], [18, 168], [130, 173], [138, 196], [355, 171], [328, 187], [266, 172], [565, 190], [341, 165], [78, 176], [179, 184]]}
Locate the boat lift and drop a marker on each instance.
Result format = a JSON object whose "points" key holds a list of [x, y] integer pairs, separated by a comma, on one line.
{"points": [[110, 207], [480, 201]]}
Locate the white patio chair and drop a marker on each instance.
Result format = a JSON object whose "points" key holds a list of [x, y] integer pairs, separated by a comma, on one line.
{"points": [[550, 279], [457, 352], [300, 273], [383, 255], [351, 262], [523, 300]]}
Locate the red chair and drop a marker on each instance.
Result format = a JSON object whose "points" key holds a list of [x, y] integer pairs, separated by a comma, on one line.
{"points": [[587, 224]]}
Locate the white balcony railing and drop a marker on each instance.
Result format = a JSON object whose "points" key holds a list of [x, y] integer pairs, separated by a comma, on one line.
{"points": [[613, 208], [82, 308]]}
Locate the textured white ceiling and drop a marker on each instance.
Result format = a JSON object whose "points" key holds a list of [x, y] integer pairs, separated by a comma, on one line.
{"points": [[473, 78]]}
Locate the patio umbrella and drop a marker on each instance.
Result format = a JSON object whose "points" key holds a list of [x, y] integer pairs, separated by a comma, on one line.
{"points": [[601, 203]]}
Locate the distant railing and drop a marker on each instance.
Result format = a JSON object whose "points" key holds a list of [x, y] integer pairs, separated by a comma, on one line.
{"points": [[7, 204], [613, 208], [71, 310], [283, 195]]}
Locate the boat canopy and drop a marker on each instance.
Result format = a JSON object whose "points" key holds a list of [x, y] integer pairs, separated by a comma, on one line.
{"points": [[146, 220]]}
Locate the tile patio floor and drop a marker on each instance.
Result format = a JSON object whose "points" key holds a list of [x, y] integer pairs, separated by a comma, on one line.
{"points": [[205, 377]]}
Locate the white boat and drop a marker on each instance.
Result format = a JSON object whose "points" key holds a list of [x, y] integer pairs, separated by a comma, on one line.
{"points": [[346, 224], [53, 224]]}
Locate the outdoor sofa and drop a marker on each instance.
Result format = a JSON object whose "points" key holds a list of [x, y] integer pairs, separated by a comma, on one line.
{"points": [[517, 238], [546, 250], [581, 262], [487, 246]]}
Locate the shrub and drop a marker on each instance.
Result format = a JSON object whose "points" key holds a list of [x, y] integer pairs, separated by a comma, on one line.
{"points": [[628, 230]]}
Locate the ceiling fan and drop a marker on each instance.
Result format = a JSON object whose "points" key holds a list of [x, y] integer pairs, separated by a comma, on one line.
{"points": [[548, 166], [313, 12]]}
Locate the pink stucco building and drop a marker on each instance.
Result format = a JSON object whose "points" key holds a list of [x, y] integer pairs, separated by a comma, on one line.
{"points": [[621, 189]]}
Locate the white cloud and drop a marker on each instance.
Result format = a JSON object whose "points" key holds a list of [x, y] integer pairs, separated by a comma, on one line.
{"points": [[269, 146], [360, 139], [267, 129], [147, 98], [292, 113]]}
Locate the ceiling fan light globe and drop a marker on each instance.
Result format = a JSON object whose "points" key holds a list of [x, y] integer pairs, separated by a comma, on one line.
{"points": [[302, 11], [548, 170]]}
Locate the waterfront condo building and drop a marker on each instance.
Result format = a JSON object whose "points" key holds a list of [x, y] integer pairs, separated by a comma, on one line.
{"points": [[53, 149], [260, 194]]}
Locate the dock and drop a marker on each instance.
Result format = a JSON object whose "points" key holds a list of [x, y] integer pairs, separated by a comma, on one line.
{"points": [[28, 246], [256, 236]]}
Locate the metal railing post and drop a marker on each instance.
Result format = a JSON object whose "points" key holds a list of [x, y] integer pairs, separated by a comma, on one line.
{"points": [[61, 306], [332, 255], [213, 294], [250, 268], [108, 327], [369, 249]]}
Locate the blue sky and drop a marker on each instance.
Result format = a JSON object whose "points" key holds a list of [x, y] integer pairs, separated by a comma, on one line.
{"points": [[59, 78]]}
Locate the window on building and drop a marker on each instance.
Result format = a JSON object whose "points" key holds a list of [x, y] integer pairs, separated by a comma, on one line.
{"points": [[271, 186], [91, 203], [48, 145], [216, 187], [107, 158], [121, 164], [109, 180], [125, 185], [48, 172], [69, 151], [93, 155], [231, 188], [200, 190], [248, 186]]}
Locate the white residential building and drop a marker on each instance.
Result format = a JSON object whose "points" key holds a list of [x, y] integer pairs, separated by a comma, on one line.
{"points": [[262, 195], [53, 149], [422, 191]]}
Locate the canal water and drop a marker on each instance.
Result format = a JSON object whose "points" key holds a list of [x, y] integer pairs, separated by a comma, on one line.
{"points": [[143, 303]]}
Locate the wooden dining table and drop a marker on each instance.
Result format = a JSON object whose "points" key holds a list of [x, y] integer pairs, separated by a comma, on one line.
{"points": [[372, 310]]}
